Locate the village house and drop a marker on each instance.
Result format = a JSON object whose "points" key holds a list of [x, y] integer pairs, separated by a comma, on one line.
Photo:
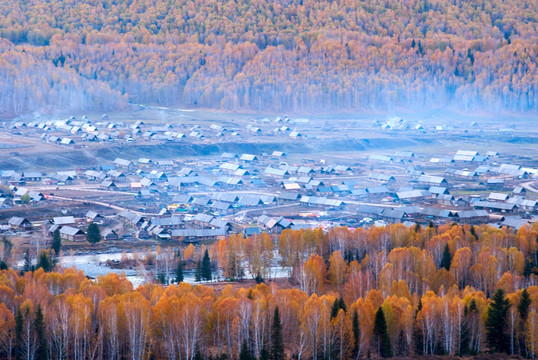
{"points": [[125, 164], [117, 176], [108, 185], [29, 176], [197, 235], [131, 217], [92, 216], [433, 180], [72, 234], [20, 223], [109, 235], [64, 220], [274, 224]]}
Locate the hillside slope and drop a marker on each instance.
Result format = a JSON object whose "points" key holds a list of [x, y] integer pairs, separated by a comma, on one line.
{"points": [[299, 55]]}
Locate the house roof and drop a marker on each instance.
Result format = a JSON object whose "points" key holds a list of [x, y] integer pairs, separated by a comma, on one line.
{"points": [[92, 214], [189, 233], [498, 196], [167, 221], [514, 222], [432, 179], [68, 230], [494, 205], [289, 196], [471, 214], [203, 218], [63, 220], [394, 213], [370, 209], [122, 162], [412, 194], [248, 157], [17, 221]]}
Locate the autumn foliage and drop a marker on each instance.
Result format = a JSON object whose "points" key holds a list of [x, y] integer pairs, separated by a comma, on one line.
{"points": [[284, 55], [377, 292]]}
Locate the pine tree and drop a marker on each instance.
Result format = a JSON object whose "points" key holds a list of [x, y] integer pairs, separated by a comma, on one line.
{"points": [[381, 334], [161, 278], [342, 304], [356, 334], [264, 354], [27, 262], [179, 272], [245, 352], [277, 342], [464, 331], [39, 325], [523, 310], [206, 267], [446, 259], [420, 49], [94, 234], [198, 271], [418, 336], [8, 245], [496, 324], [337, 305], [335, 308], [402, 344], [473, 232], [523, 306], [56, 242], [44, 261]]}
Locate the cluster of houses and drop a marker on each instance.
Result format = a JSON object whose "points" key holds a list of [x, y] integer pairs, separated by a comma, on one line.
{"points": [[199, 198], [76, 132]]}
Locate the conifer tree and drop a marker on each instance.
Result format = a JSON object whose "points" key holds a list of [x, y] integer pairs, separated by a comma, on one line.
{"points": [[342, 304], [56, 242], [523, 310], [206, 267], [335, 308], [27, 262], [179, 272], [473, 232], [464, 331], [446, 260], [496, 324], [264, 354], [94, 234], [245, 352], [381, 334], [418, 336], [356, 334], [277, 341], [44, 261], [198, 271], [39, 326]]}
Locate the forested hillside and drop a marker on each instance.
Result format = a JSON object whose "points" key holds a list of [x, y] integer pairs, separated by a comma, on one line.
{"points": [[298, 55], [392, 291]]}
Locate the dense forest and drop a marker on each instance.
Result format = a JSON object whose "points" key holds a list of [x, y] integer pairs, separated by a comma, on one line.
{"points": [[285, 55], [393, 291]]}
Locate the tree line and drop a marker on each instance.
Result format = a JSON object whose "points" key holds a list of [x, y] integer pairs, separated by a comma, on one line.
{"points": [[393, 291], [296, 55]]}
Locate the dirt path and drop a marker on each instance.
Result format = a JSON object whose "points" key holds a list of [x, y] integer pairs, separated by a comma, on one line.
{"points": [[115, 207], [529, 187]]}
